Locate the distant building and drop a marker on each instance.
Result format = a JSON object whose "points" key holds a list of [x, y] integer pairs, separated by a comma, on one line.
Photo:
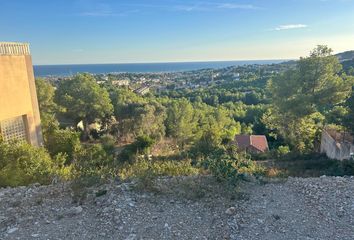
{"points": [[252, 143], [123, 82], [19, 112], [337, 145], [142, 90]]}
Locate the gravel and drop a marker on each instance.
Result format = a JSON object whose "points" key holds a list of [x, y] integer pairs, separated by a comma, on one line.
{"points": [[296, 208]]}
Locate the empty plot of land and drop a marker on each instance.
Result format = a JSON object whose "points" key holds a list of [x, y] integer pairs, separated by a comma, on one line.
{"points": [[183, 208]]}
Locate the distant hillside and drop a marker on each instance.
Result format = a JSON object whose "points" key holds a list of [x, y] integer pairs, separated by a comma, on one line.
{"points": [[345, 56], [348, 64]]}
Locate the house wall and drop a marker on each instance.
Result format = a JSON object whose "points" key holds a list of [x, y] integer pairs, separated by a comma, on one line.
{"points": [[18, 95], [334, 149]]}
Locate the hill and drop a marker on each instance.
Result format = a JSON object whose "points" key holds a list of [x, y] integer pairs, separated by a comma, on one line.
{"points": [[345, 56]]}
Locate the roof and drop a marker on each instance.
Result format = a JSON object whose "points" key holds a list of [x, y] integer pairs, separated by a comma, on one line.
{"points": [[259, 142]]}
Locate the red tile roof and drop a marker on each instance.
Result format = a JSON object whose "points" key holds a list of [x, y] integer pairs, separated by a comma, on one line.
{"points": [[259, 142]]}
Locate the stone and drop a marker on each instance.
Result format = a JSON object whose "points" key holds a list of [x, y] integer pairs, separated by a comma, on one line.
{"points": [[230, 211], [131, 237], [74, 211], [12, 230]]}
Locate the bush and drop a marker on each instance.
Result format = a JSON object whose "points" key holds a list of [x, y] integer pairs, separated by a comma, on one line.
{"points": [[282, 151], [144, 166], [231, 167], [63, 141], [23, 164], [108, 143], [93, 160], [146, 171], [142, 145]]}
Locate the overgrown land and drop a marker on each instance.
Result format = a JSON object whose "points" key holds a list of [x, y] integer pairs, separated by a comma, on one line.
{"points": [[106, 143]]}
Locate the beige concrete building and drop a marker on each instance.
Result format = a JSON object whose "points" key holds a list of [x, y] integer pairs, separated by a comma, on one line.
{"points": [[19, 112]]}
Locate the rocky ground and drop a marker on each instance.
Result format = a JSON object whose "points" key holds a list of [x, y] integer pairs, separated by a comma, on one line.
{"points": [[182, 208]]}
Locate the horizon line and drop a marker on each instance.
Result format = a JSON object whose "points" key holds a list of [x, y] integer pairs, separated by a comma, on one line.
{"points": [[161, 62]]}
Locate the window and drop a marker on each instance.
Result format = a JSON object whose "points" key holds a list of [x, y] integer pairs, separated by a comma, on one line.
{"points": [[13, 129]]}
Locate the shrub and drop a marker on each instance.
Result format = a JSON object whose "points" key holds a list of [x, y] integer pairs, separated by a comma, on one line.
{"points": [[93, 160], [63, 141], [282, 151], [142, 145], [231, 167], [23, 164], [146, 171], [223, 169], [108, 143], [144, 166]]}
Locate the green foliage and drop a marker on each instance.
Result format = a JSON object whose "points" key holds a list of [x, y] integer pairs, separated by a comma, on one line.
{"points": [[83, 99], [64, 141], [142, 145], [48, 108], [108, 143], [143, 167], [301, 97], [348, 120], [231, 166], [299, 133], [181, 121], [313, 86], [137, 116], [23, 164], [45, 95], [93, 160], [282, 151]]}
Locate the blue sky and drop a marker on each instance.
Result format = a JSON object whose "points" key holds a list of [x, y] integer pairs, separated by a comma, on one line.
{"points": [[124, 31]]}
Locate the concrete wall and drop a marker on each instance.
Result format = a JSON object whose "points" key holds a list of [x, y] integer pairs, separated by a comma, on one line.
{"points": [[334, 149], [18, 93]]}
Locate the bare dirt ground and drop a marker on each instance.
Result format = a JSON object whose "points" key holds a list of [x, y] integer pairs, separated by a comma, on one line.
{"points": [[183, 208]]}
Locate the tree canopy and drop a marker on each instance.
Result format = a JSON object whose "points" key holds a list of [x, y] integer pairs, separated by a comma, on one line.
{"points": [[84, 100]]}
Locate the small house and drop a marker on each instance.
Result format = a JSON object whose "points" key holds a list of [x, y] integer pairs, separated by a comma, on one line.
{"points": [[252, 143]]}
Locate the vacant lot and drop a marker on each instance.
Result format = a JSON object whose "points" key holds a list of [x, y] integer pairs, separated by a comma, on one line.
{"points": [[182, 208]]}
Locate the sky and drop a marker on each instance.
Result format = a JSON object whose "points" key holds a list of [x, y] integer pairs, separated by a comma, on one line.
{"points": [[130, 31]]}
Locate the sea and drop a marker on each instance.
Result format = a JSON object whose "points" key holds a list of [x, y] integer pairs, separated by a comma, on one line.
{"points": [[68, 70]]}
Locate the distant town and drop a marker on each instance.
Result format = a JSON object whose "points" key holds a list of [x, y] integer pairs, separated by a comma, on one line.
{"points": [[143, 83]]}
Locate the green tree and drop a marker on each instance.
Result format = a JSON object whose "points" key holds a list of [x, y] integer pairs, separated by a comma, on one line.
{"points": [[47, 106], [348, 121], [137, 116], [181, 122], [84, 100], [302, 95], [315, 85]]}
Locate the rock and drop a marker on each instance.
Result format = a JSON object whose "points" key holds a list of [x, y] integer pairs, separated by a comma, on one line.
{"points": [[230, 211], [107, 210], [12, 230], [74, 211], [131, 237]]}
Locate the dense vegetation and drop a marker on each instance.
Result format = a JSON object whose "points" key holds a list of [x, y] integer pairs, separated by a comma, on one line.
{"points": [[108, 131]]}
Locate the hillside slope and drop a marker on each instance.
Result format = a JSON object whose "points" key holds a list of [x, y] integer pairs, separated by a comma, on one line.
{"points": [[345, 56]]}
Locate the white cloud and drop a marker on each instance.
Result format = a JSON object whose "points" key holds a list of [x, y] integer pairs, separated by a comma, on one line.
{"points": [[211, 6], [290, 26], [236, 6]]}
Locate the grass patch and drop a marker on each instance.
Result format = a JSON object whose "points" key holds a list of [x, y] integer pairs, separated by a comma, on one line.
{"points": [[146, 171]]}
